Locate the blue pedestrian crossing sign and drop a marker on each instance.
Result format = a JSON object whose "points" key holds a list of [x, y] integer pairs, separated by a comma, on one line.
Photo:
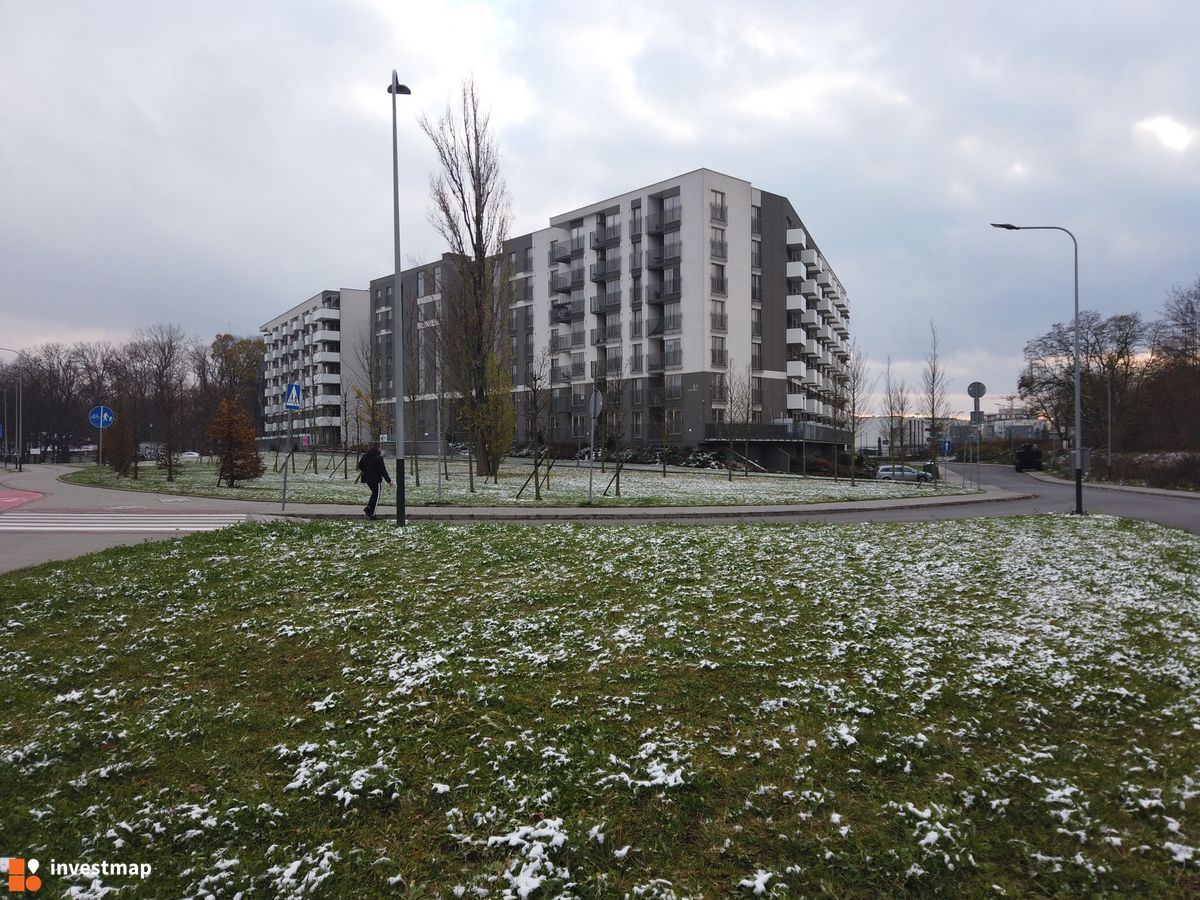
{"points": [[291, 400], [101, 416]]}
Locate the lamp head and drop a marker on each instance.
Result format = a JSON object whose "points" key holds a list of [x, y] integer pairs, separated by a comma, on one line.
{"points": [[396, 87], [1006, 226]]}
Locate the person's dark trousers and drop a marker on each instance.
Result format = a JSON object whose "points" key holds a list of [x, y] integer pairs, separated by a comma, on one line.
{"points": [[374, 498]]}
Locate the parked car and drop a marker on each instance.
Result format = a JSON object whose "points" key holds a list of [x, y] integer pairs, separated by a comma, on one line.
{"points": [[189, 456], [901, 473], [1028, 456]]}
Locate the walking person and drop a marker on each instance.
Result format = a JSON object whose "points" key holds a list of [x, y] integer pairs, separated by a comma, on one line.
{"points": [[373, 470]]}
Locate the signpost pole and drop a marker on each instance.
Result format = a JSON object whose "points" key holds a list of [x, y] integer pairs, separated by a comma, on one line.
{"points": [[287, 459], [595, 405], [100, 458]]}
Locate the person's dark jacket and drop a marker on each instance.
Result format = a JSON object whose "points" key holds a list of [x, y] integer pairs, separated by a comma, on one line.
{"points": [[373, 468]]}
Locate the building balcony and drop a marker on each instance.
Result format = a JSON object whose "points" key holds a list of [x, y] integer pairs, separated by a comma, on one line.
{"points": [[328, 356], [610, 334], [796, 336], [328, 378], [796, 303], [668, 219], [812, 349], [720, 285], [825, 308], [796, 237], [325, 334], [654, 362], [560, 283], [809, 289], [825, 281], [796, 269], [328, 314], [796, 368], [560, 375], [606, 304], [812, 262], [810, 320], [654, 259], [654, 328], [672, 252], [606, 236], [605, 270], [560, 251], [718, 249], [719, 213], [673, 359]]}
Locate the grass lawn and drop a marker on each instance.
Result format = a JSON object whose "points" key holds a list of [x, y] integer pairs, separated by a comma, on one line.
{"points": [[568, 486], [985, 707]]}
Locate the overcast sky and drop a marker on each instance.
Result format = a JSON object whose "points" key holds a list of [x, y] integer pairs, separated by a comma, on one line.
{"points": [[212, 164]]}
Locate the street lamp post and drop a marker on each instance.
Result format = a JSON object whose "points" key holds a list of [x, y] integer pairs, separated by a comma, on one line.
{"points": [[396, 88], [1078, 452], [20, 412]]}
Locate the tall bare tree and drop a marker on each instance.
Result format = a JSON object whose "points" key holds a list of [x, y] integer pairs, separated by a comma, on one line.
{"points": [[935, 388], [616, 404], [470, 210], [740, 412], [165, 352]]}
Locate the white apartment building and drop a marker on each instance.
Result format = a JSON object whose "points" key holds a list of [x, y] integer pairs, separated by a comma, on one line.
{"points": [[318, 344], [676, 287]]}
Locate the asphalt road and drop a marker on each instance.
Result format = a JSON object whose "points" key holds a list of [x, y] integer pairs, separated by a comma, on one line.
{"points": [[38, 490]]}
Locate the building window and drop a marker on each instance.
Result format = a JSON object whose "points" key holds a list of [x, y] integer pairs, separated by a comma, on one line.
{"points": [[673, 353], [719, 320], [756, 287], [635, 418], [674, 386], [755, 321], [636, 365], [756, 254], [718, 351], [674, 421], [756, 219], [639, 391], [756, 357]]}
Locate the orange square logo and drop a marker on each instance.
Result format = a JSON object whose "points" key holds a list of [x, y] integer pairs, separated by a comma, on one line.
{"points": [[22, 876]]}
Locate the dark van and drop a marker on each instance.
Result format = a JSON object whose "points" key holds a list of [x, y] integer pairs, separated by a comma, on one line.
{"points": [[1028, 456]]}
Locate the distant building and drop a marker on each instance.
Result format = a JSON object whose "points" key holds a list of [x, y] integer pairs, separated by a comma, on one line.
{"points": [[318, 344]]}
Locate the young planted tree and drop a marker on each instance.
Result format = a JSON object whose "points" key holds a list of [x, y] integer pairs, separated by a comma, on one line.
{"points": [[935, 386], [232, 436], [859, 388], [537, 398], [739, 418], [470, 210], [897, 401], [616, 395]]}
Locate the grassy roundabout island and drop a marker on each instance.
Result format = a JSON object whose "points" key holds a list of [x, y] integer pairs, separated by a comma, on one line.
{"points": [[568, 486]]}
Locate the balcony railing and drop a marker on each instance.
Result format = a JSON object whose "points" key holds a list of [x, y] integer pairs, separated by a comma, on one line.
{"points": [[720, 285], [654, 328], [565, 311], [635, 260], [654, 363], [672, 252], [719, 212], [607, 335], [560, 376], [602, 271], [654, 259], [560, 251], [672, 324], [560, 282], [719, 249], [603, 237], [673, 358], [656, 223], [720, 321], [719, 358], [613, 365], [604, 304]]}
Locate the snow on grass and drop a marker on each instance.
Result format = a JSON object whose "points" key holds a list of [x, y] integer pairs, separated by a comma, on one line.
{"points": [[641, 486], [336, 709]]}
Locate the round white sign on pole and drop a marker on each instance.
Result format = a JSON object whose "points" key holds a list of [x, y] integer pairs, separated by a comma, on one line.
{"points": [[596, 404]]}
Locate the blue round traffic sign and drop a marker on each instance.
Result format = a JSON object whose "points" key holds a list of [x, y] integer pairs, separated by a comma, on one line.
{"points": [[101, 416]]}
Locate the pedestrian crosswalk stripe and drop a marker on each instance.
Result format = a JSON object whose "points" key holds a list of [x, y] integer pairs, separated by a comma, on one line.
{"points": [[98, 522]]}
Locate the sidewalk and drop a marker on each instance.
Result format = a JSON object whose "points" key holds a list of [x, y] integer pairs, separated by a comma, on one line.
{"points": [[1128, 488]]}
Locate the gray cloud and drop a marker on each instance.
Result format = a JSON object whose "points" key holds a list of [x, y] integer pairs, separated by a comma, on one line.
{"points": [[212, 164]]}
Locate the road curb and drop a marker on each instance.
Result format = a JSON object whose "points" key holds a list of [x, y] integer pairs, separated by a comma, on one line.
{"points": [[1126, 488]]}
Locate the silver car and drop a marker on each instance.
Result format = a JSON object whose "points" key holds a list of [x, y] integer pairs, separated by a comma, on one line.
{"points": [[901, 473]]}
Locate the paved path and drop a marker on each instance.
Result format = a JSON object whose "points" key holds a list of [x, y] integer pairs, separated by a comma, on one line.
{"points": [[1005, 493]]}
